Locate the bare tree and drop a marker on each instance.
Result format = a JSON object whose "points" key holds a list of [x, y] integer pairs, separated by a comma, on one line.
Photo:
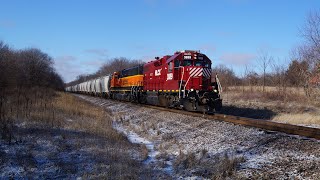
{"points": [[311, 30], [250, 77], [117, 64], [279, 76], [297, 73], [226, 75], [264, 61], [310, 50]]}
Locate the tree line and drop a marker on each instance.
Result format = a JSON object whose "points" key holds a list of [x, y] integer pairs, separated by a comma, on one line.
{"points": [[112, 65], [27, 79], [27, 68]]}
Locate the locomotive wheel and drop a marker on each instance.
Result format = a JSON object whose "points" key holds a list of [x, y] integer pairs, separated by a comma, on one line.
{"points": [[142, 99], [163, 101], [188, 105]]}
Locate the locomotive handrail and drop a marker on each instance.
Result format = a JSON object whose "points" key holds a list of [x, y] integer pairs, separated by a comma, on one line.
{"points": [[219, 84], [184, 92], [181, 81]]}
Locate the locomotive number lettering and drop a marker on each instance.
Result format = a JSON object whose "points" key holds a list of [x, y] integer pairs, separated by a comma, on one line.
{"points": [[187, 57], [169, 76], [157, 72]]}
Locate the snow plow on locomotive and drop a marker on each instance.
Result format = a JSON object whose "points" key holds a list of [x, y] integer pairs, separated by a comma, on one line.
{"points": [[182, 80]]}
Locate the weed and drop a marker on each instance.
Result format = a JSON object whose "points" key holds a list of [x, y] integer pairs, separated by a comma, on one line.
{"points": [[216, 167]]}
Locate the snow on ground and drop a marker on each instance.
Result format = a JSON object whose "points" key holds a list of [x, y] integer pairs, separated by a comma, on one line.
{"points": [[54, 156], [265, 154], [52, 153], [136, 139]]}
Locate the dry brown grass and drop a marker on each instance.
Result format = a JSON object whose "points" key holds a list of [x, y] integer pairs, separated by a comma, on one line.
{"points": [[298, 90], [69, 115], [290, 105], [77, 114], [255, 93], [304, 118], [287, 94], [220, 166]]}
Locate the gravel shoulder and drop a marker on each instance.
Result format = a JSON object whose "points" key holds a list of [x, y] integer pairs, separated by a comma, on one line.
{"points": [[190, 147]]}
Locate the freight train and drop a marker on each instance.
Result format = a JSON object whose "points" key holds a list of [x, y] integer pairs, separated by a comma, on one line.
{"points": [[182, 80]]}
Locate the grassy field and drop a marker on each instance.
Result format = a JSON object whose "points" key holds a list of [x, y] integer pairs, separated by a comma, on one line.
{"points": [[289, 105], [69, 139]]}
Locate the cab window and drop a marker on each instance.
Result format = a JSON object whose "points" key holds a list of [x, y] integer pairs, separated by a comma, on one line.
{"points": [[176, 63], [198, 63], [187, 63], [170, 66], [207, 64]]}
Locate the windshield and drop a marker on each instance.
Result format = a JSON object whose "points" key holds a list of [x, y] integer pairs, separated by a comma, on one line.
{"points": [[202, 63], [207, 64], [198, 63], [187, 63]]}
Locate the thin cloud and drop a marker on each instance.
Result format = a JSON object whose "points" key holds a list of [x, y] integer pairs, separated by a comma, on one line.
{"points": [[268, 48], [147, 58], [95, 63], [65, 58], [151, 2], [99, 52], [207, 48], [238, 58], [239, 2], [154, 3], [224, 34], [178, 2], [7, 24], [70, 67]]}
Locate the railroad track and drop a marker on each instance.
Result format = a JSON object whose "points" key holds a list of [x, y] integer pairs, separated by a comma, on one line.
{"points": [[257, 123]]}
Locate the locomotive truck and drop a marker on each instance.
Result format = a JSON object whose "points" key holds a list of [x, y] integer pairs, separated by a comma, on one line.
{"points": [[182, 80]]}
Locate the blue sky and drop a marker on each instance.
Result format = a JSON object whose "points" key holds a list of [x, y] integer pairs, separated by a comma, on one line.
{"points": [[81, 35]]}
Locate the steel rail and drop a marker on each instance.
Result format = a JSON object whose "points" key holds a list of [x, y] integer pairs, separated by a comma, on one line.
{"points": [[257, 123]]}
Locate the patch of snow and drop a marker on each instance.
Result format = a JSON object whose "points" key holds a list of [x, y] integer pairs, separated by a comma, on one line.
{"points": [[136, 139]]}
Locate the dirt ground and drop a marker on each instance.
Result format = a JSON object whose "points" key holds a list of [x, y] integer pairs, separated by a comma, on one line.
{"points": [[189, 147]]}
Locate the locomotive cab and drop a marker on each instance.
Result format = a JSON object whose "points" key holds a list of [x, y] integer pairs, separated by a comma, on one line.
{"points": [[180, 80], [197, 92]]}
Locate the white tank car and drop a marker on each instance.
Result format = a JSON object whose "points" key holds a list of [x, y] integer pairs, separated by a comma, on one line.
{"points": [[81, 87], [105, 85], [97, 86], [86, 86], [92, 90]]}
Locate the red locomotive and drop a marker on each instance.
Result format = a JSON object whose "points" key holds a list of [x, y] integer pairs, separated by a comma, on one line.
{"points": [[181, 80]]}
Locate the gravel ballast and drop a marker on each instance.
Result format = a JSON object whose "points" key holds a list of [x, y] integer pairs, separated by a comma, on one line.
{"points": [[193, 147]]}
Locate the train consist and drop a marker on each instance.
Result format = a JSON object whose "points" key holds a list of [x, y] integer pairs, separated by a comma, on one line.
{"points": [[181, 80]]}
